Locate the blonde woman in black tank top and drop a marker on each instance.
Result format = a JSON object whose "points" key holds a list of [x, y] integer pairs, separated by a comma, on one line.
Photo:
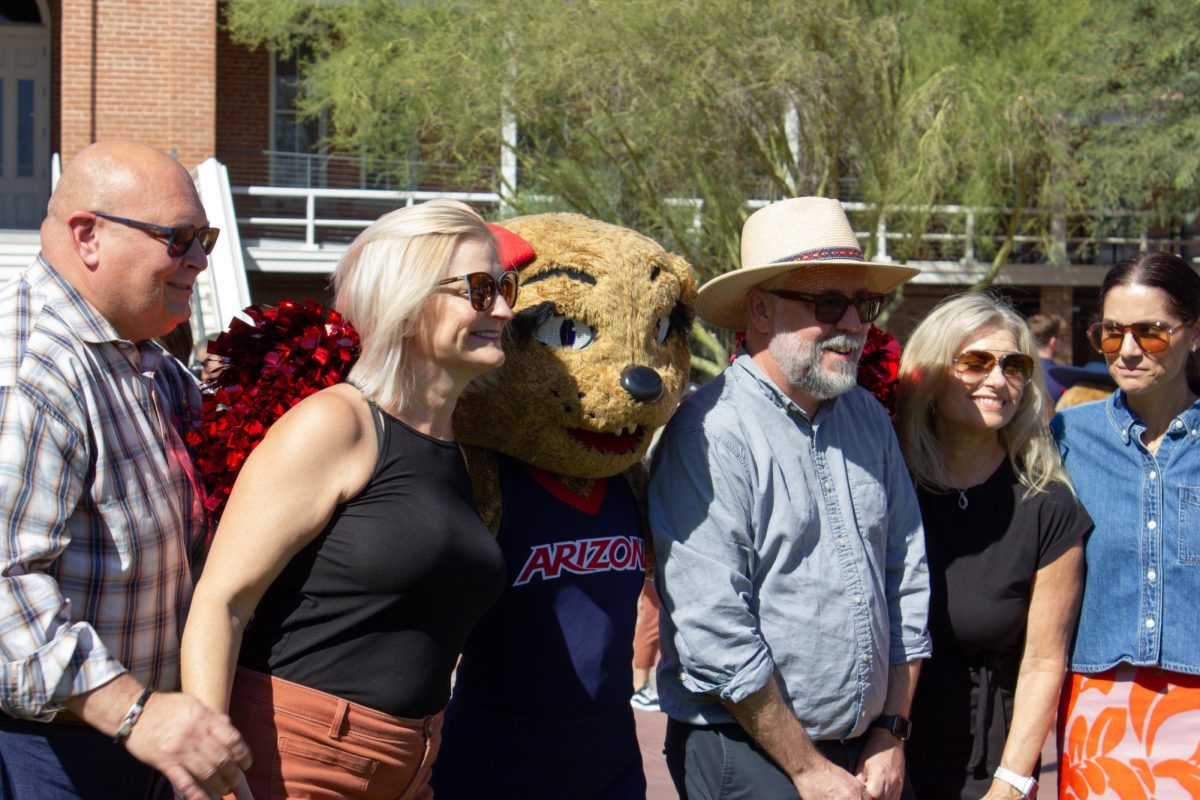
{"points": [[350, 563]]}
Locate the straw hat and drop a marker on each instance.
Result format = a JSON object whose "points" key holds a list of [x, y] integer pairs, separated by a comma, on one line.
{"points": [[787, 235]]}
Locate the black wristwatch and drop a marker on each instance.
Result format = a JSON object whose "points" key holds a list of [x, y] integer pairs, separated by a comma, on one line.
{"points": [[896, 725]]}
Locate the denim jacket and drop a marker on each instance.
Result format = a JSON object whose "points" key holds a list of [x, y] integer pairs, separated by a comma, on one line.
{"points": [[1141, 600]]}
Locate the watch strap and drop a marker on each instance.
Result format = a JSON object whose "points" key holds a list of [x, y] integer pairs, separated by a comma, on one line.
{"points": [[1027, 785], [896, 725]]}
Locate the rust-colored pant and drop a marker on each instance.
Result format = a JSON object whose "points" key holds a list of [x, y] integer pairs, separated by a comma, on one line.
{"points": [[645, 634], [309, 744]]}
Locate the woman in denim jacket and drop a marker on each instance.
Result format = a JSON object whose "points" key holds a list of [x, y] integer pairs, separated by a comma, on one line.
{"points": [[1129, 722]]}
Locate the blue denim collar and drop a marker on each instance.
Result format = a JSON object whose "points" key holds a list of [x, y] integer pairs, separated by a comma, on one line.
{"points": [[1129, 426]]}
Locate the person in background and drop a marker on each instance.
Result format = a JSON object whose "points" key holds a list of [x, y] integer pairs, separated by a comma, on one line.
{"points": [[1081, 385], [350, 563], [1003, 534], [101, 510], [1130, 716], [645, 649], [179, 342], [1047, 328]]}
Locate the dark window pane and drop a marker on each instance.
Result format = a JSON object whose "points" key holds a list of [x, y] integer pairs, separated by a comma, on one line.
{"points": [[19, 11], [25, 130]]}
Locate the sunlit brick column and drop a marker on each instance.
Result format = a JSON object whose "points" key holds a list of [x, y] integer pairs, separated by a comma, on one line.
{"points": [[140, 69]]}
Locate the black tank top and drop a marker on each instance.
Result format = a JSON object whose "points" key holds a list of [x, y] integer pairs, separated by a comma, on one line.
{"points": [[376, 609]]}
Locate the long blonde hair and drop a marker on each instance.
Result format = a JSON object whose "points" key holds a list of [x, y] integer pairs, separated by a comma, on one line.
{"points": [[384, 279], [924, 369]]}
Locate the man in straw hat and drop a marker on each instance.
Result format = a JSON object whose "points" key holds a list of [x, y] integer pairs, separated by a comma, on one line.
{"points": [[789, 542]]}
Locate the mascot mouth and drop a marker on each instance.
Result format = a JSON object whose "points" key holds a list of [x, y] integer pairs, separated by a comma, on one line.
{"points": [[608, 443]]}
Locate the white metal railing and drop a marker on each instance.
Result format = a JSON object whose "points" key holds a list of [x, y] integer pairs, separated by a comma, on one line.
{"points": [[310, 221], [958, 234]]}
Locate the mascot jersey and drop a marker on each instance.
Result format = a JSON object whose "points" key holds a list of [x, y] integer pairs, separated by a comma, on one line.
{"points": [[541, 701]]}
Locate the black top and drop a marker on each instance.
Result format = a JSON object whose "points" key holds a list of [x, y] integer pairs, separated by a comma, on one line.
{"points": [[982, 560], [376, 609]]}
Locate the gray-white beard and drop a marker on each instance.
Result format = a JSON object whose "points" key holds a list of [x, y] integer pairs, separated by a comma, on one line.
{"points": [[800, 362]]}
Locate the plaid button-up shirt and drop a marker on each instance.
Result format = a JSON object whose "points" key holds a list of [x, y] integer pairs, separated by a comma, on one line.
{"points": [[100, 506]]}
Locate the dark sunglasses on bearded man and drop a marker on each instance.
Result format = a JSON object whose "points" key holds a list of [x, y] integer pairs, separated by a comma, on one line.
{"points": [[830, 307]]}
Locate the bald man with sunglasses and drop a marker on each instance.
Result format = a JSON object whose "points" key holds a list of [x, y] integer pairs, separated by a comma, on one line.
{"points": [[102, 516]]}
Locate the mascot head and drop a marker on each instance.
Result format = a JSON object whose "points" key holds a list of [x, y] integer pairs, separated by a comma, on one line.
{"points": [[596, 357]]}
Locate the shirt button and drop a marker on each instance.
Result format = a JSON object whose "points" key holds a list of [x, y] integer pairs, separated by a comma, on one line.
{"points": [[1153, 475], [1151, 525], [1178, 424], [866, 657], [857, 599], [1151, 575], [841, 540], [827, 485], [1150, 623]]}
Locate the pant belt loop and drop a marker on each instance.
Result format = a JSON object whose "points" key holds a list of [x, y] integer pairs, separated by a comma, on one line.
{"points": [[339, 719]]}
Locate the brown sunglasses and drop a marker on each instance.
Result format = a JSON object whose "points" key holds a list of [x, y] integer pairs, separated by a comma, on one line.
{"points": [[975, 365], [483, 288], [1152, 337]]}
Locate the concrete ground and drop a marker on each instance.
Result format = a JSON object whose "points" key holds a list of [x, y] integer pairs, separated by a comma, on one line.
{"points": [[652, 725]]}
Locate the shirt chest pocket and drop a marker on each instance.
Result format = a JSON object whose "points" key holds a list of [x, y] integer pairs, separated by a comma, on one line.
{"points": [[868, 493], [1189, 524]]}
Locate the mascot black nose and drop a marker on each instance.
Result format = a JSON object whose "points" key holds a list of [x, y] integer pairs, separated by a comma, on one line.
{"points": [[642, 383]]}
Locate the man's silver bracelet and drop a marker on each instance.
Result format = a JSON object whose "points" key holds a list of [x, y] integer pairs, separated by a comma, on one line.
{"points": [[132, 716]]}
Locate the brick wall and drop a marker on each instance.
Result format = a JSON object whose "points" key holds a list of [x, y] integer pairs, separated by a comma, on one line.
{"points": [[139, 69], [243, 113]]}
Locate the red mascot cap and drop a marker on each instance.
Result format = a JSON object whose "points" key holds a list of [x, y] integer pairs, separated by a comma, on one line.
{"points": [[514, 251]]}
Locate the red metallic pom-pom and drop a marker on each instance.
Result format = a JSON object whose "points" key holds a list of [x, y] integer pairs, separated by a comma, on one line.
{"points": [[879, 367], [267, 367]]}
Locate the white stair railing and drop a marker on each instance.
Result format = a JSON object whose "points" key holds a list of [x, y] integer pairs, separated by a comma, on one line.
{"points": [[222, 288]]}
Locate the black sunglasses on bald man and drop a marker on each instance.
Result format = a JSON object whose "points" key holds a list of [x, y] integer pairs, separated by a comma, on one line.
{"points": [[179, 239], [830, 307]]}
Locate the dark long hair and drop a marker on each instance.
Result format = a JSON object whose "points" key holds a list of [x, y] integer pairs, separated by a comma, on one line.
{"points": [[1159, 269]]}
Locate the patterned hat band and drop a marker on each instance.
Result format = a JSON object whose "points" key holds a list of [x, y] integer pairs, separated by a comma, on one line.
{"points": [[823, 254]]}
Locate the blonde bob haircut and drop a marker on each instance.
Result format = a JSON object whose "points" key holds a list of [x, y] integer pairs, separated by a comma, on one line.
{"points": [[925, 366], [382, 283]]}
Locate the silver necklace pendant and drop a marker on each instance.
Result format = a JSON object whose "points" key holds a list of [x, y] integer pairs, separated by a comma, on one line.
{"points": [[962, 499]]}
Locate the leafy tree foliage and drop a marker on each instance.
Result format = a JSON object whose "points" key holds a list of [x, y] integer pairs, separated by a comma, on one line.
{"points": [[632, 111]]}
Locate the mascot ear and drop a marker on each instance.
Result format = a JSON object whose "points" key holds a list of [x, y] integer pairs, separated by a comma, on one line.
{"points": [[514, 251]]}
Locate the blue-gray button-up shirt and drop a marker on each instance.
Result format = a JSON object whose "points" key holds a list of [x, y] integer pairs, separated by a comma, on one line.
{"points": [[785, 545]]}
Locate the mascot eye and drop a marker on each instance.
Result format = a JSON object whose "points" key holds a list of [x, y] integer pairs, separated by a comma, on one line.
{"points": [[564, 333], [662, 329]]}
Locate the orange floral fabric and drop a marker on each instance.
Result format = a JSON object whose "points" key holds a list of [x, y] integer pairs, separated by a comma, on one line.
{"points": [[1129, 733]]}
